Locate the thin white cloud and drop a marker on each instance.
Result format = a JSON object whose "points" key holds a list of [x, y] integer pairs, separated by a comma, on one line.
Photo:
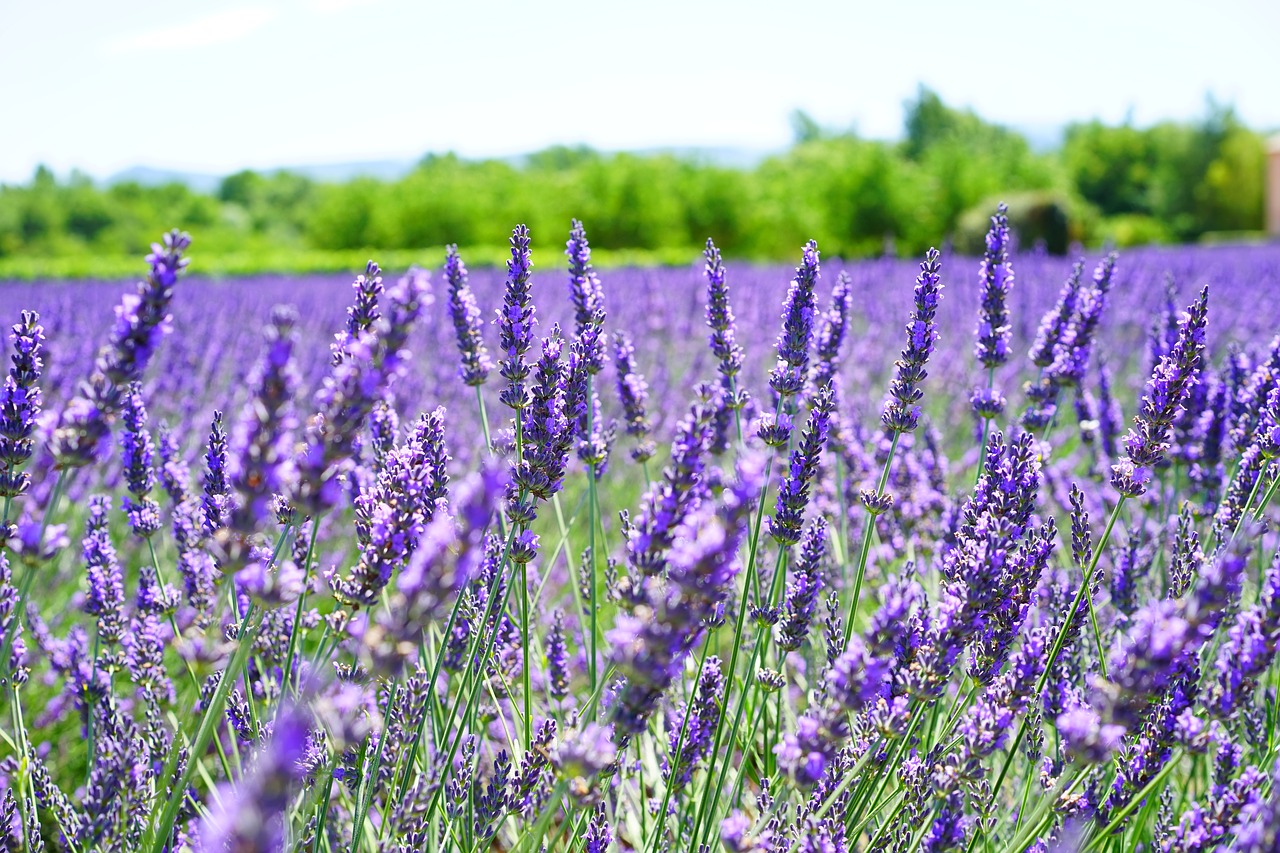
{"points": [[220, 27], [330, 6]]}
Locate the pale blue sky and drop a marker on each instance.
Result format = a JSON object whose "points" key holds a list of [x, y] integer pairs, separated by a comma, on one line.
{"points": [[212, 87]]}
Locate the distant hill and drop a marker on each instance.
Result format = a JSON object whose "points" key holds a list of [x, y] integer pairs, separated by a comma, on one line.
{"points": [[390, 170], [329, 173], [148, 177]]}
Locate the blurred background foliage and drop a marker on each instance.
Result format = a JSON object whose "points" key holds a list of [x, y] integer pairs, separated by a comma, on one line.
{"points": [[1124, 185]]}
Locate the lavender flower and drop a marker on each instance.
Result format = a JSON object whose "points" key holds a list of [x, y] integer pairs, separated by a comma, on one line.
{"points": [[391, 518], [253, 811], [1055, 321], [11, 628], [835, 323], [20, 403], [633, 393], [650, 646], [214, 501], [804, 588], [142, 320], [448, 553], [106, 580], [175, 475], [1072, 350], [369, 365], [136, 456], [557, 659], [788, 377], [516, 321], [1249, 650], [363, 311], [260, 463], [588, 299], [467, 324], [671, 499], [1086, 737], [900, 412], [697, 723], [598, 836], [793, 495], [724, 343], [582, 753], [995, 275], [548, 432], [1148, 440]]}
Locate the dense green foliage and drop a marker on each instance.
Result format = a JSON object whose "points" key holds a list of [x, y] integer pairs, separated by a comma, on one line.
{"points": [[856, 196]]}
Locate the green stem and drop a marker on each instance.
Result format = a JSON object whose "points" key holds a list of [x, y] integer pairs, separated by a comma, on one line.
{"points": [[371, 779], [867, 533], [679, 750], [159, 835], [1055, 650], [289, 673]]}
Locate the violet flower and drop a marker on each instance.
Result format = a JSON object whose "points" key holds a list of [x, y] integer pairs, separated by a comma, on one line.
{"points": [[1147, 441], [901, 414], [804, 588], [649, 647], [995, 275], [252, 814], [20, 404], [467, 323], [260, 463], [516, 321], [142, 320], [633, 393], [793, 494], [588, 299], [136, 457], [788, 377], [720, 319]]}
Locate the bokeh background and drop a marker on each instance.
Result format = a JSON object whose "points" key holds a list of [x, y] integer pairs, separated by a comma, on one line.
{"points": [[306, 134]]}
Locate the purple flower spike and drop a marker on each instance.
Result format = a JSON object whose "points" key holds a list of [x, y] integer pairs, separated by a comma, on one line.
{"points": [[516, 321], [901, 414], [142, 320], [788, 377], [1167, 389], [995, 275], [835, 323], [363, 312], [724, 343], [214, 501], [633, 393], [106, 580], [793, 496], [804, 588], [136, 456], [467, 323], [588, 299], [260, 463], [20, 403], [698, 721], [254, 810]]}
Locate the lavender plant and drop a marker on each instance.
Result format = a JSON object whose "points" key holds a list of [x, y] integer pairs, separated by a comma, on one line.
{"points": [[320, 602]]}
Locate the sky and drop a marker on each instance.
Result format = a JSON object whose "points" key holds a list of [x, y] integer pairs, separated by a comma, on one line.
{"points": [[214, 87]]}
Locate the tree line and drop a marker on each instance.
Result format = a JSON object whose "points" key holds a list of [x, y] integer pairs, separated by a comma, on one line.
{"points": [[1123, 184]]}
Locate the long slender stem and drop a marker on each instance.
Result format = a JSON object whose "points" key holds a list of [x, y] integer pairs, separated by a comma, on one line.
{"points": [[371, 780], [592, 511], [159, 835], [867, 533], [289, 681], [678, 753], [1056, 649]]}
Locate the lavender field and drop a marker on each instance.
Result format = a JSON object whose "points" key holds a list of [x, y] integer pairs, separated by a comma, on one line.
{"points": [[946, 554]]}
